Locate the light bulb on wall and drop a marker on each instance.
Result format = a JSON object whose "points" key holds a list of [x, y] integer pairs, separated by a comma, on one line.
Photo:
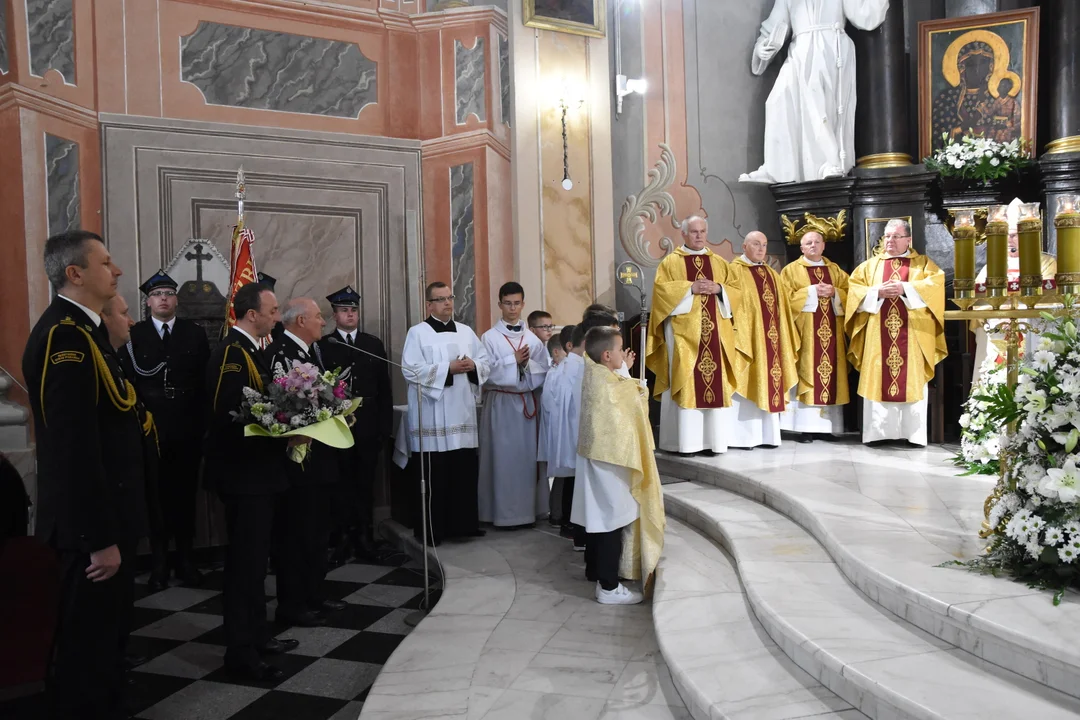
{"points": [[625, 86]]}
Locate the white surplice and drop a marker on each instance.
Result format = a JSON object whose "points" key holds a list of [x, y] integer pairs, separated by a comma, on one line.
{"points": [[449, 411], [602, 498], [689, 430], [814, 418], [560, 411], [810, 113], [511, 492], [887, 420]]}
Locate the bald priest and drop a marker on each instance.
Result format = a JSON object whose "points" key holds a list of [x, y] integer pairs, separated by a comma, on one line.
{"points": [[894, 319]]}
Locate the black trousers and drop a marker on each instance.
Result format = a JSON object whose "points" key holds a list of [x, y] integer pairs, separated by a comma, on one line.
{"points": [[301, 532], [178, 480], [85, 679], [602, 553], [452, 478], [354, 494], [567, 509], [249, 520]]}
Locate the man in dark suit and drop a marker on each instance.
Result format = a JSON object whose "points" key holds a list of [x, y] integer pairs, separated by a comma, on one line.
{"points": [[369, 378], [169, 355], [271, 282], [302, 521], [248, 473], [89, 441]]}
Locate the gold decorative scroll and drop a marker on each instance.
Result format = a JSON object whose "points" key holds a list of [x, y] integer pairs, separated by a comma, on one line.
{"points": [[831, 228]]}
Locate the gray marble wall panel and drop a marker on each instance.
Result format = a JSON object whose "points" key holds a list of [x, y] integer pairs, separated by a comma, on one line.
{"points": [[327, 209], [52, 37], [470, 97], [244, 67], [463, 263], [3, 39], [504, 78], [62, 183]]}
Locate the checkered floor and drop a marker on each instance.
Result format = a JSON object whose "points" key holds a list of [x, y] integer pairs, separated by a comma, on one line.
{"points": [[326, 677]]}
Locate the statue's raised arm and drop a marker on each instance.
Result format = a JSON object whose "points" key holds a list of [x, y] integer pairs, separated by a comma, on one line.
{"points": [[810, 113]]}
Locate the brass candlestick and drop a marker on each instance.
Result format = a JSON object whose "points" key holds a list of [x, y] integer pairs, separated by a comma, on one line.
{"points": [[997, 253], [1067, 225], [1029, 229]]}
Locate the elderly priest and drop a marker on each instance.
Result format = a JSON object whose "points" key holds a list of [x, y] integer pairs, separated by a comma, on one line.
{"points": [[816, 289], [691, 344], [895, 324], [767, 344]]}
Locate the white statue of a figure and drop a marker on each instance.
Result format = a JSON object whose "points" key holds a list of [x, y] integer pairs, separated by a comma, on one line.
{"points": [[810, 113]]}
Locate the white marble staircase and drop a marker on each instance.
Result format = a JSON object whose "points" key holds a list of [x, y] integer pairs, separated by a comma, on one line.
{"points": [[870, 658]]}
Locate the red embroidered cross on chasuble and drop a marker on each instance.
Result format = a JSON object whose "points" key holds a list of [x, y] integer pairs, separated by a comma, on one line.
{"points": [[708, 380], [894, 334], [825, 371]]}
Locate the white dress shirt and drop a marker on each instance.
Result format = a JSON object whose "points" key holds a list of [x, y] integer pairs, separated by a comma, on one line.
{"points": [[160, 326], [94, 317]]}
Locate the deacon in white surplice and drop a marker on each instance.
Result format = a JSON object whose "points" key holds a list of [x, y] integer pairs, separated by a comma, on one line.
{"points": [[510, 491], [450, 365]]}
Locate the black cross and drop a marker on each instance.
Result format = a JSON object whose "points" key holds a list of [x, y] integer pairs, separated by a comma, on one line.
{"points": [[198, 257]]}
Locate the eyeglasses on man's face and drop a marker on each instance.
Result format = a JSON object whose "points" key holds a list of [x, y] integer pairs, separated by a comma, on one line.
{"points": [[542, 327], [444, 298], [894, 236], [163, 294]]}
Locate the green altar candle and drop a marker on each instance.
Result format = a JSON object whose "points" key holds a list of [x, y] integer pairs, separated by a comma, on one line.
{"points": [[1029, 229], [997, 250], [1067, 225], [964, 234]]}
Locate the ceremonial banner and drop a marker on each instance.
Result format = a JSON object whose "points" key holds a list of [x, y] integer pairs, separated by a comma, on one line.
{"points": [[242, 269]]}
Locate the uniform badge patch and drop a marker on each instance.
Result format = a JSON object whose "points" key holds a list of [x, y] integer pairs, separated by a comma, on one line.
{"points": [[66, 356], [231, 367]]}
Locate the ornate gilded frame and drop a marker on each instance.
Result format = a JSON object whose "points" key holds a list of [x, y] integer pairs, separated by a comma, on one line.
{"points": [[598, 28], [868, 222], [1029, 18]]}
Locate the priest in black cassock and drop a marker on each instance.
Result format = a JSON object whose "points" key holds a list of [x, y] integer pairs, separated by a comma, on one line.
{"points": [[302, 516], [364, 357], [169, 355]]}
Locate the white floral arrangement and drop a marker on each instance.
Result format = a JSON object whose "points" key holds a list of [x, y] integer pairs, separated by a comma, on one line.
{"points": [[980, 436], [979, 159], [1034, 514]]}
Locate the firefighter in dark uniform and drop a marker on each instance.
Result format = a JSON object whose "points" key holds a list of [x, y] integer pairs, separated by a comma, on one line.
{"points": [[89, 447], [271, 282], [369, 378], [302, 520], [248, 473], [169, 356]]}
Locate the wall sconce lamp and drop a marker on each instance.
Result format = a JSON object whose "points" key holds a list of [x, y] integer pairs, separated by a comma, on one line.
{"points": [[625, 86]]}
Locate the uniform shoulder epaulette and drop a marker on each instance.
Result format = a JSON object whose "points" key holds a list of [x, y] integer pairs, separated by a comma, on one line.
{"points": [[67, 321]]}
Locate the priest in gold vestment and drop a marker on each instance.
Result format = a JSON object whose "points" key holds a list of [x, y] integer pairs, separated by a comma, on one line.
{"points": [[816, 290], [894, 319], [691, 344], [765, 338]]}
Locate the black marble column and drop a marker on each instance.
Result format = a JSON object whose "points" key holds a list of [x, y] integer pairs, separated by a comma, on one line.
{"points": [[1059, 77], [881, 112]]}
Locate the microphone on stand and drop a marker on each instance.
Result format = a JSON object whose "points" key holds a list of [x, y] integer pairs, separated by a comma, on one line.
{"points": [[414, 618]]}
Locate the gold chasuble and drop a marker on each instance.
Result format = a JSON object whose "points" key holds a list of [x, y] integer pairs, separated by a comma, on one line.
{"points": [[823, 366], [614, 428], [765, 338], [895, 350], [702, 372]]}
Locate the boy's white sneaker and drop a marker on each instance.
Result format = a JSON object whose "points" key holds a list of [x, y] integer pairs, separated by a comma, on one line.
{"points": [[619, 596]]}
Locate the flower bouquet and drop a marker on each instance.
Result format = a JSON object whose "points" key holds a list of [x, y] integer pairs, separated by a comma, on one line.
{"points": [[1034, 514], [301, 401], [979, 159], [980, 437]]}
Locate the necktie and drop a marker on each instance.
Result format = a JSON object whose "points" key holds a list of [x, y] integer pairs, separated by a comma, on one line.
{"points": [[513, 328], [165, 335], [349, 339]]}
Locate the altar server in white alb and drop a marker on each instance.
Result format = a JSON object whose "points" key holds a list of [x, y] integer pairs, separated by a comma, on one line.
{"points": [[559, 413], [511, 494], [450, 365]]}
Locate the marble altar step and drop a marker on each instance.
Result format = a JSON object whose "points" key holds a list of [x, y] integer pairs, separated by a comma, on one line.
{"points": [[874, 660], [722, 662], [878, 516]]}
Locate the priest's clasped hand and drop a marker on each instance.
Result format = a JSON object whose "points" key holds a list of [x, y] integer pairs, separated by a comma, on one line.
{"points": [[825, 290], [891, 289], [704, 287]]}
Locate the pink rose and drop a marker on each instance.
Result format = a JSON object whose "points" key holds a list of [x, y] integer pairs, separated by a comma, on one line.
{"points": [[281, 417], [339, 391]]}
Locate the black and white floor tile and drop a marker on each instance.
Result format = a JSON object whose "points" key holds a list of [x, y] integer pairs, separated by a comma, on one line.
{"points": [[326, 677]]}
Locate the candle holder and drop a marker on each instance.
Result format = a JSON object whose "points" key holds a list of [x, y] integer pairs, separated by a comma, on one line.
{"points": [[997, 253], [1029, 229], [964, 235], [1067, 225]]}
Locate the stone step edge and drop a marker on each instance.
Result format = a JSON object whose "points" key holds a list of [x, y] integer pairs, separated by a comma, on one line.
{"points": [[994, 643], [859, 687], [697, 702]]}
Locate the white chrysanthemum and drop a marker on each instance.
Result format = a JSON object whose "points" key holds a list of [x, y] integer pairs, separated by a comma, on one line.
{"points": [[1053, 536], [1072, 529], [1011, 501], [1067, 555], [1043, 360], [1033, 549]]}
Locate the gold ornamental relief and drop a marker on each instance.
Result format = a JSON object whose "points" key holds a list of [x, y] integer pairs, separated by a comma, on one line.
{"points": [[832, 229], [893, 323], [894, 362], [825, 373], [707, 367], [825, 335], [707, 328]]}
